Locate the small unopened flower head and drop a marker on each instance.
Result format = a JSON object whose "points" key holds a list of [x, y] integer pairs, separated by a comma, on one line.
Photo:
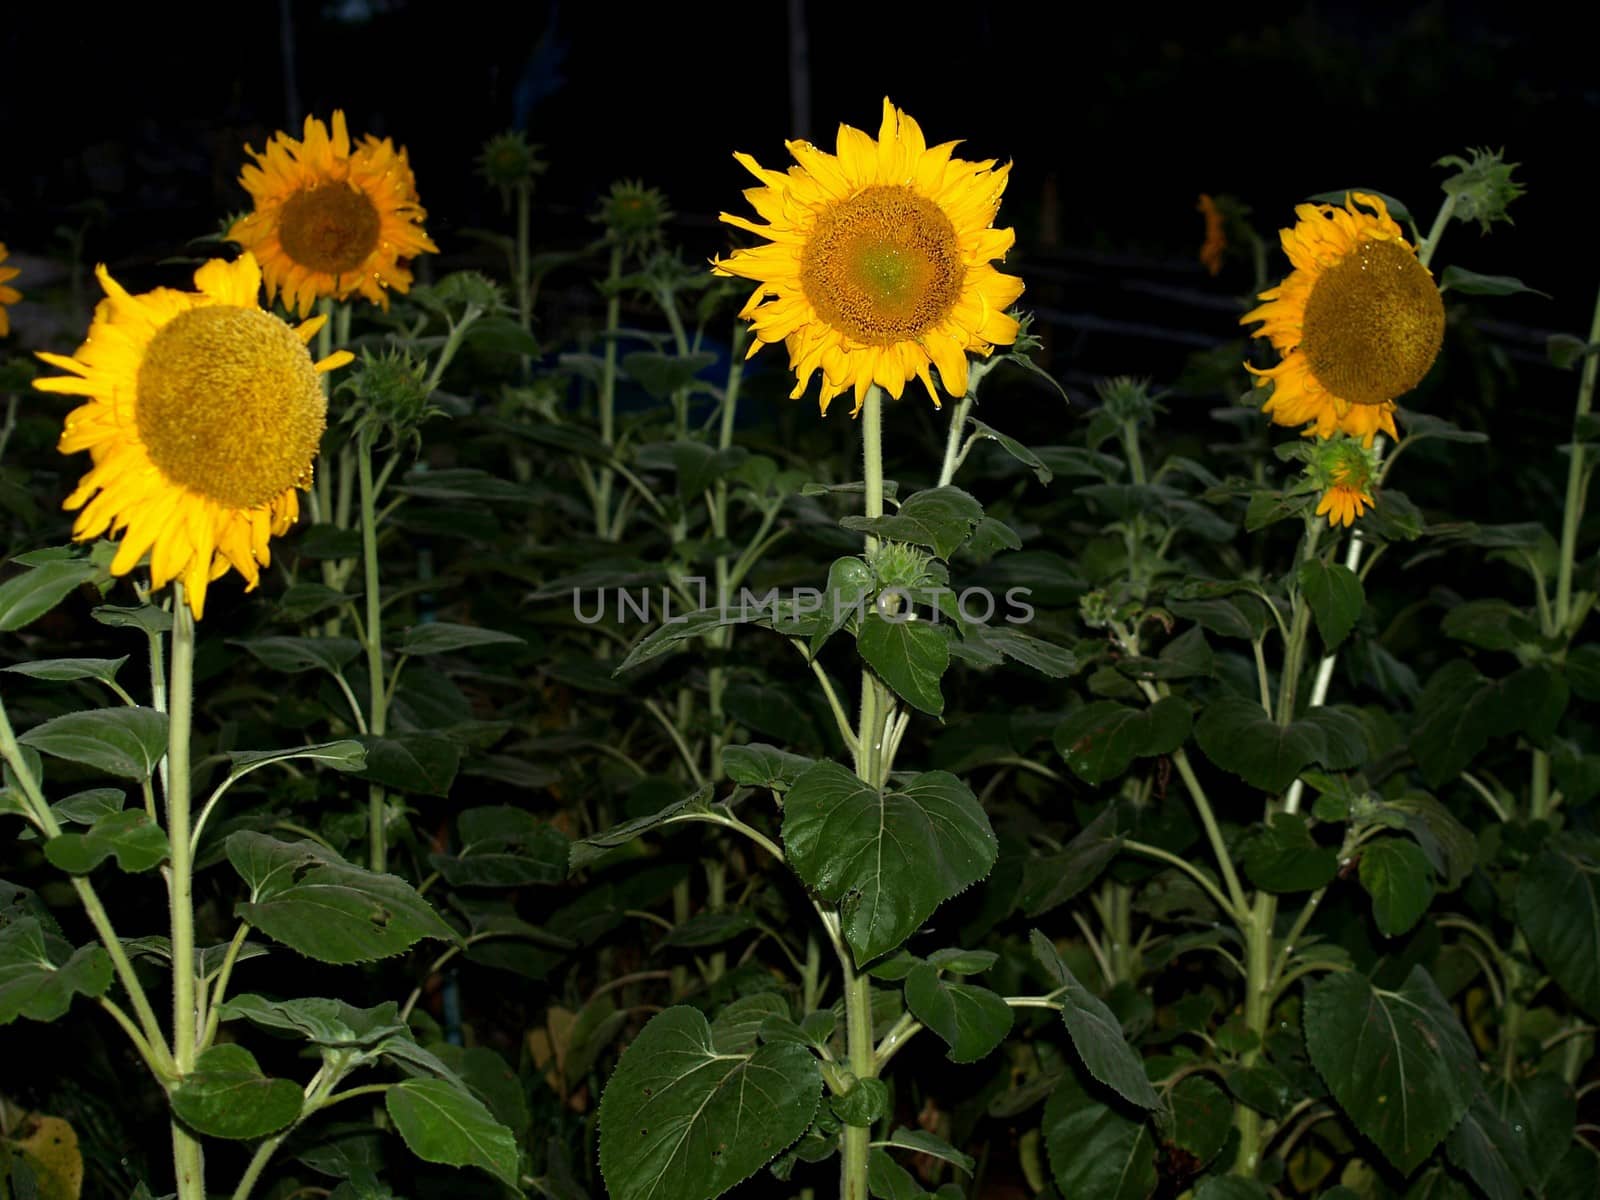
{"points": [[899, 565], [1125, 398], [1346, 471], [633, 215], [391, 393], [1482, 186], [509, 161]]}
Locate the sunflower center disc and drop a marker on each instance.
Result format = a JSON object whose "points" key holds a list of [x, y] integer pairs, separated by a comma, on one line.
{"points": [[883, 266], [332, 227], [1373, 324], [229, 405]]}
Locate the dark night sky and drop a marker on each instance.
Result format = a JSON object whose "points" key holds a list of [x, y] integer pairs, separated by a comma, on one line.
{"points": [[1133, 109]]}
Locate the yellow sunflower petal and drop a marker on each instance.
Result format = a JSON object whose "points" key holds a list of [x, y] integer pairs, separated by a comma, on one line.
{"points": [[1358, 322], [876, 261], [331, 219], [203, 415]]}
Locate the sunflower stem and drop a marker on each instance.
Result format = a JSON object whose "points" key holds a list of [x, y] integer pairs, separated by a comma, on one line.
{"points": [[1577, 486], [524, 248], [187, 1160], [875, 713], [608, 389], [377, 696], [322, 493], [1441, 219], [952, 445]]}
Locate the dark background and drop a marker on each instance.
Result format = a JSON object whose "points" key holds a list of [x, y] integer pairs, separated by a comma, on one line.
{"points": [[1116, 117]]}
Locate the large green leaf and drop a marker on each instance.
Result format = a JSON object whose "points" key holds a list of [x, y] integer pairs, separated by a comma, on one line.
{"points": [[1049, 880], [441, 637], [227, 1096], [137, 841], [887, 858], [442, 1122], [1239, 737], [1100, 740], [761, 765], [326, 1022], [938, 518], [127, 742], [910, 655], [40, 973], [307, 897], [972, 1020], [62, 670], [1542, 1111], [293, 655], [1336, 598], [681, 1120], [1398, 877], [344, 755], [1558, 909], [1236, 616], [1283, 857], [1202, 1115], [1095, 1152], [1399, 1063], [411, 762], [1095, 1031], [1460, 710], [27, 597], [1450, 847], [589, 850], [504, 847], [1490, 1153]]}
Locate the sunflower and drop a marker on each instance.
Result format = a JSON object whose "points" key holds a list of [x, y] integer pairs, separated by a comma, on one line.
{"points": [[329, 219], [204, 415], [1345, 469], [878, 261], [1343, 502], [8, 295], [1358, 321]]}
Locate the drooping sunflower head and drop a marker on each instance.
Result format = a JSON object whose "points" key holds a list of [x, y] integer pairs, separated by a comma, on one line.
{"points": [[331, 218], [8, 295], [203, 417], [1358, 322], [878, 261], [1346, 471]]}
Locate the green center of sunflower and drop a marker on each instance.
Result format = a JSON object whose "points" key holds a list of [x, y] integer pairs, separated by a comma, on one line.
{"points": [[332, 227], [229, 405], [883, 266], [1373, 324]]}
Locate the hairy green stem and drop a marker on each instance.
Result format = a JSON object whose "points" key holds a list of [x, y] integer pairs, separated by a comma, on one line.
{"points": [[952, 445], [372, 635], [608, 390], [1577, 485], [187, 1160]]}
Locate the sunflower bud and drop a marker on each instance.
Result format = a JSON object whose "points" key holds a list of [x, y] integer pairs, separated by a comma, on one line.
{"points": [[1127, 399], [633, 215], [1346, 471], [509, 162], [1482, 186], [898, 565], [391, 393]]}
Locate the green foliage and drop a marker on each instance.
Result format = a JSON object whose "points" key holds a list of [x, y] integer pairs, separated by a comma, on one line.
{"points": [[889, 858], [670, 1109], [1398, 1062]]}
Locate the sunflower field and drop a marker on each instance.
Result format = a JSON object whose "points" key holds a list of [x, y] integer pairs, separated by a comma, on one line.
{"points": [[659, 708]]}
